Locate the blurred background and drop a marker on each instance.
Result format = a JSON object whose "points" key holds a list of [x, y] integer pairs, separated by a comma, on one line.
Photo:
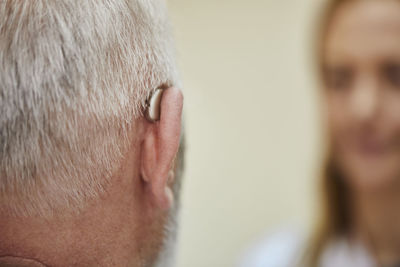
{"points": [[251, 121]]}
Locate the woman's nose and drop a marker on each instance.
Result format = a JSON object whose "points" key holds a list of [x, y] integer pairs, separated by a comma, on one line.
{"points": [[365, 102]]}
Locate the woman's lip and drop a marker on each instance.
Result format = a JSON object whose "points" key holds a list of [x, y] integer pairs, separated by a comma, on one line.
{"points": [[371, 147]]}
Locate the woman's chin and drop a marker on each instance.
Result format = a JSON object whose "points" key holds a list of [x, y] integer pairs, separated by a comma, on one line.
{"points": [[373, 177]]}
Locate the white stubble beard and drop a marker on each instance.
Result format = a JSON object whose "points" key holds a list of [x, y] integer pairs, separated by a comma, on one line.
{"points": [[167, 255]]}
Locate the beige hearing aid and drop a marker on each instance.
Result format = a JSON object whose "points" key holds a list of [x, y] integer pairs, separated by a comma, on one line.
{"points": [[154, 106]]}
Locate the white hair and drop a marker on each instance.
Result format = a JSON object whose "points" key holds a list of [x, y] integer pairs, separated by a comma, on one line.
{"points": [[74, 75]]}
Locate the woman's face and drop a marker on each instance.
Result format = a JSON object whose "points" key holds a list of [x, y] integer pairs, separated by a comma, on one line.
{"points": [[361, 66]]}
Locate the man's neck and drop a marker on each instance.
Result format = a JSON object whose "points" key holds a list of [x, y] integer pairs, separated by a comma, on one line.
{"points": [[10, 261], [101, 235]]}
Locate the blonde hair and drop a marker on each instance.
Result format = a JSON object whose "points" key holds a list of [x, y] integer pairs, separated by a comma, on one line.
{"points": [[74, 76], [334, 218]]}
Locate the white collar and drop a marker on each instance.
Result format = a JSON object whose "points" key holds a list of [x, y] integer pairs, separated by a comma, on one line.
{"points": [[342, 252]]}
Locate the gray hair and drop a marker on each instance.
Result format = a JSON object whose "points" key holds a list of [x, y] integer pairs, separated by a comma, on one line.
{"points": [[74, 76]]}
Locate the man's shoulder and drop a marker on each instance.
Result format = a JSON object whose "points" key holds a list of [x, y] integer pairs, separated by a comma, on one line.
{"points": [[282, 248]]}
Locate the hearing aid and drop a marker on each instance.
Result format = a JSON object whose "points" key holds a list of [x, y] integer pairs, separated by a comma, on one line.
{"points": [[154, 105]]}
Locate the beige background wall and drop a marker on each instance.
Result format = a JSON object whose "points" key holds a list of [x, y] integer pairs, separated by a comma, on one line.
{"points": [[251, 114]]}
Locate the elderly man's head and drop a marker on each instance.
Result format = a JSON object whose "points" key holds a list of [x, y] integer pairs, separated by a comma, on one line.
{"points": [[85, 179]]}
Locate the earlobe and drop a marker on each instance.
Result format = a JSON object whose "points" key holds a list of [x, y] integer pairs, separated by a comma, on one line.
{"points": [[160, 146]]}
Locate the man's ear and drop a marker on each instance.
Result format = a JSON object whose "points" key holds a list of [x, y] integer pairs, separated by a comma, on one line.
{"points": [[160, 146]]}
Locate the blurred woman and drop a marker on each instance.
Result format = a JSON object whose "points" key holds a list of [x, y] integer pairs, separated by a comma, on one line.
{"points": [[359, 67]]}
